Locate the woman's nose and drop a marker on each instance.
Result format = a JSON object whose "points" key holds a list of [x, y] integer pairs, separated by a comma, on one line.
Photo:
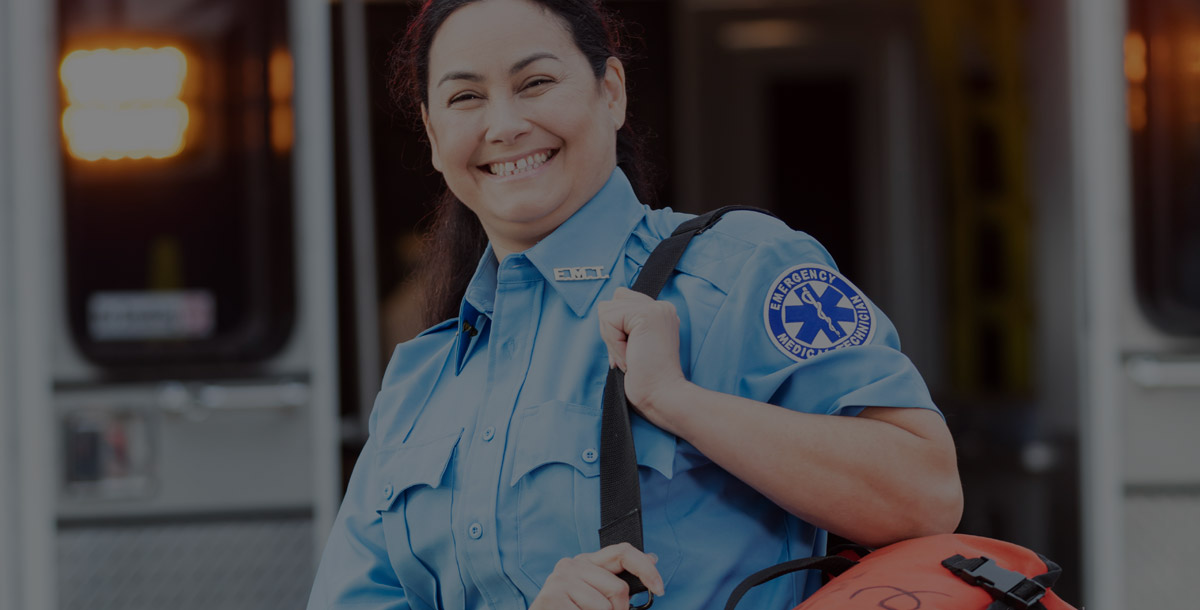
{"points": [[505, 123]]}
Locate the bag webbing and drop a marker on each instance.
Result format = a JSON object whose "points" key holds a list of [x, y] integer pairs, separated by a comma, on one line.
{"points": [[833, 565], [620, 495]]}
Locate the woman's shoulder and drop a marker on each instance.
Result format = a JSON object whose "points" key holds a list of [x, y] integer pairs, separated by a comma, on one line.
{"points": [[408, 356], [412, 372], [439, 329], [742, 241], [745, 224]]}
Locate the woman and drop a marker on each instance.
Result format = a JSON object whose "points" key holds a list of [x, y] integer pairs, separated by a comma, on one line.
{"points": [[774, 404]]}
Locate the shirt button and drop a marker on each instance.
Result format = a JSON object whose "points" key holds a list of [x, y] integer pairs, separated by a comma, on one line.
{"points": [[488, 433], [475, 531], [510, 347], [388, 490], [590, 455]]}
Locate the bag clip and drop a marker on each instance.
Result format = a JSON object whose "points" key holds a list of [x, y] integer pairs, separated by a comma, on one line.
{"points": [[649, 602], [1006, 586]]}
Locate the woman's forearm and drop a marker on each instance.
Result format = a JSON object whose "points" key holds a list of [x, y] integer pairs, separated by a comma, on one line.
{"points": [[883, 476]]}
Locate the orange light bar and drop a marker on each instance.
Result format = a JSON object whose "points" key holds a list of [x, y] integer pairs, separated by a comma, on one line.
{"points": [[280, 69], [1136, 69], [124, 103], [764, 34], [282, 86], [1135, 57], [134, 132]]}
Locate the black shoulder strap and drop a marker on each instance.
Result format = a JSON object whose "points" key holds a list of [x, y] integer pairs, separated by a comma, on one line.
{"points": [[620, 495], [662, 261]]}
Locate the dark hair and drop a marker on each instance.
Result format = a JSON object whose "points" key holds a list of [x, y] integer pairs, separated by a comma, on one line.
{"points": [[455, 240]]}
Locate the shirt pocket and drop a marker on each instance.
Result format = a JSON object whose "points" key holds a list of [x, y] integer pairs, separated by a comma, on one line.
{"points": [[556, 478], [414, 485]]}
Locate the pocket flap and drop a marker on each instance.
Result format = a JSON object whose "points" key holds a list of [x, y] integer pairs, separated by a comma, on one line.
{"points": [[655, 447], [569, 434], [417, 462], [560, 432]]}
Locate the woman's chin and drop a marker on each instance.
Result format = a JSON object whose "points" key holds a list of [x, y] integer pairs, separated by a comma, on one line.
{"points": [[527, 220]]}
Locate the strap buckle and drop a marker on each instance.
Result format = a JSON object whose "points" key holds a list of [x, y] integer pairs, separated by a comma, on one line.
{"points": [[649, 602], [1006, 586]]}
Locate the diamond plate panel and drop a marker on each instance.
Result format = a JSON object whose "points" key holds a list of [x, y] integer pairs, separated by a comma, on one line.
{"points": [[1162, 541], [232, 565]]}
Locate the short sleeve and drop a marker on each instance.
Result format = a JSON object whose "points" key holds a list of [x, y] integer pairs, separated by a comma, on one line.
{"points": [[355, 571], [795, 332]]}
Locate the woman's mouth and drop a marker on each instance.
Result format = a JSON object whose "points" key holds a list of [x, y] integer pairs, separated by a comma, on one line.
{"points": [[524, 164]]}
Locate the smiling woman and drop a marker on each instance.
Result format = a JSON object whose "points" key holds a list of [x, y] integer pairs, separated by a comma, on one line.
{"points": [[457, 239], [751, 375], [511, 91]]}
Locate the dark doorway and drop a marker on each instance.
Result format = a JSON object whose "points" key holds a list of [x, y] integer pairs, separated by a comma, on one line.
{"points": [[813, 122]]}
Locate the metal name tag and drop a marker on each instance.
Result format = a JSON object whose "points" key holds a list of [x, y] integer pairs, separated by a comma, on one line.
{"points": [[579, 274]]}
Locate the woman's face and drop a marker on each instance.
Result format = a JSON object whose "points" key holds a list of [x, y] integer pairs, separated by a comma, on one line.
{"points": [[519, 126]]}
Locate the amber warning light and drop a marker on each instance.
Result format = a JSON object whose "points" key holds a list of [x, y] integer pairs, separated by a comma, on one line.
{"points": [[124, 103]]}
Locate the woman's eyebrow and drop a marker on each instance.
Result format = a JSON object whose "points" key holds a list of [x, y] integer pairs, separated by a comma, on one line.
{"points": [[516, 67], [524, 63], [467, 76]]}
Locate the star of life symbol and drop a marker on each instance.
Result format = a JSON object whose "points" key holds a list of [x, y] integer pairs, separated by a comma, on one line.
{"points": [[811, 310]]}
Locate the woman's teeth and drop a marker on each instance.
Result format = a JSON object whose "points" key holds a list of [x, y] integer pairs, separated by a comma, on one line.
{"points": [[510, 168]]}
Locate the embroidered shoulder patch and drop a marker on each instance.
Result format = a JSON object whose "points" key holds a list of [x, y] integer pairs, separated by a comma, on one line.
{"points": [[810, 310]]}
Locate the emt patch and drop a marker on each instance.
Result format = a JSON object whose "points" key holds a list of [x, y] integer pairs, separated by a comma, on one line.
{"points": [[811, 310]]}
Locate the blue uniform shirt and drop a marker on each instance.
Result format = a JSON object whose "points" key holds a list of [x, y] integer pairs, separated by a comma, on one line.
{"points": [[481, 470]]}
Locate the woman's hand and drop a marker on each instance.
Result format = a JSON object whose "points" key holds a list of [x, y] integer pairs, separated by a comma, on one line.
{"points": [[589, 581], [642, 336]]}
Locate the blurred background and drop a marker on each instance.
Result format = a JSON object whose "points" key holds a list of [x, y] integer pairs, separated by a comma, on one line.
{"points": [[210, 214]]}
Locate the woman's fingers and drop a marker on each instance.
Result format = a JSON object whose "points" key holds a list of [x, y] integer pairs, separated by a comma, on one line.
{"points": [[589, 581], [612, 332], [579, 583], [642, 339], [630, 313], [601, 588], [615, 322], [623, 557]]}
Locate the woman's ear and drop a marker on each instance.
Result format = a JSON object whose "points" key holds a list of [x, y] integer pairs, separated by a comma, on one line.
{"points": [[613, 88], [437, 163]]}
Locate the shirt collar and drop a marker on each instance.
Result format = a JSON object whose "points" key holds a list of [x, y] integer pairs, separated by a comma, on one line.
{"points": [[481, 292], [593, 237]]}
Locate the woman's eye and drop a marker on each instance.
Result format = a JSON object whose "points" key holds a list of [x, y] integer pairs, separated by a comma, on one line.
{"points": [[463, 97], [537, 82]]}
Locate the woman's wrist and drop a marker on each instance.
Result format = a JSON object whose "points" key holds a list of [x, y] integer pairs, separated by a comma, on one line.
{"points": [[667, 406]]}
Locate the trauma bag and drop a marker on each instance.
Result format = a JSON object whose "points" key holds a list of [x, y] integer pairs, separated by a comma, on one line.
{"points": [[943, 572]]}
